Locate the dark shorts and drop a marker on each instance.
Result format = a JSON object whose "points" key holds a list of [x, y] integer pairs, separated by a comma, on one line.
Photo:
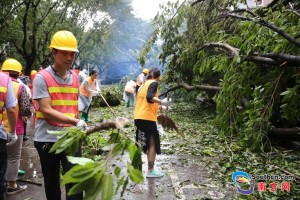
{"points": [[144, 130]]}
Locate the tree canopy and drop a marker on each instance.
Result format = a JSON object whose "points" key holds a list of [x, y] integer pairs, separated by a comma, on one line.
{"points": [[252, 54], [108, 34]]}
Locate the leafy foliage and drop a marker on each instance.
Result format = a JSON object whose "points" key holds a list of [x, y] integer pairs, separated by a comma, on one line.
{"points": [[272, 89], [94, 177], [225, 154], [111, 94]]}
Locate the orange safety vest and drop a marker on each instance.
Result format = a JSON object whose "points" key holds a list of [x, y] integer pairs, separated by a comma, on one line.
{"points": [[83, 89], [64, 98], [143, 109], [4, 79], [19, 126]]}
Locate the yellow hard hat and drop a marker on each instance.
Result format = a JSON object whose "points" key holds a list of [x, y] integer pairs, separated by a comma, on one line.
{"points": [[64, 40], [146, 71], [11, 64], [33, 72]]}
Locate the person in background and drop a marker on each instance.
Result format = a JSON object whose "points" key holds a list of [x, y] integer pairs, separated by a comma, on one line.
{"points": [[145, 119], [141, 79], [32, 76], [23, 110], [77, 69], [82, 75], [7, 102], [55, 90], [88, 88], [40, 68], [25, 80], [129, 93]]}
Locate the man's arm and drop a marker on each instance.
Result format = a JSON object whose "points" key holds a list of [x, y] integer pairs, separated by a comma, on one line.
{"points": [[54, 115]]}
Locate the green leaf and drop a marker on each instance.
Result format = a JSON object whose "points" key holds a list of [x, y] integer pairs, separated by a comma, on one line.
{"points": [[117, 149], [120, 182], [92, 192], [83, 186], [132, 149], [72, 148], [79, 160], [135, 174], [80, 173], [124, 186], [117, 171], [57, 145], [107, 187], [285, 93], [135, 156], [114, 138]]}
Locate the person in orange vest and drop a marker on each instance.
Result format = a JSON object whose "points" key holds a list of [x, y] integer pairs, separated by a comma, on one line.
{"points": [[88, 88], [32, 75], [145, 119], [7, 102], [23, 109], [141, 79], [55, 91]]}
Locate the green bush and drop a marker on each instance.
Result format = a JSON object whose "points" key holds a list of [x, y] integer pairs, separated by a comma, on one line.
{"points": [[112, 94]]}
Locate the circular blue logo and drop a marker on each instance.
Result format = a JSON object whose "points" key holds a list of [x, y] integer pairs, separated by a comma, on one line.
{"points": [[242, 177]]}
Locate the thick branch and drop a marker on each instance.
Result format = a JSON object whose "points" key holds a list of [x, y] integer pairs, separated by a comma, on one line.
{"points": [[189, 88], [276, 59], [262, 60], [233, 51], [118, 123], [101, 126], [286, 57], [266, 24]]}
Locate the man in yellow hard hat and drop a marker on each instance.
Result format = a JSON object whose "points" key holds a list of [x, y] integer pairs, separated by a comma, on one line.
{"points": [[56, 89], [141, 79], [23, 108]]}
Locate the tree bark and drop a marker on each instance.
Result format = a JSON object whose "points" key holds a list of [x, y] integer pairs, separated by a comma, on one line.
{"points": [[189, 88], [275, 59], [285, 133]]}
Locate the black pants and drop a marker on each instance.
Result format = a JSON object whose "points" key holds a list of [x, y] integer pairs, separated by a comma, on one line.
{"points": [[50, 163], [3, 167]]}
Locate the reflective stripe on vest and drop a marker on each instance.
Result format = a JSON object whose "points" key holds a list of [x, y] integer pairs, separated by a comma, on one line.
{"points": [[3, 91], [143, 109], [64, 98]]}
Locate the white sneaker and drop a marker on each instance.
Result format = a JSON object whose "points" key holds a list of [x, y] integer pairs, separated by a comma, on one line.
{"points": [[19, 188]]}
